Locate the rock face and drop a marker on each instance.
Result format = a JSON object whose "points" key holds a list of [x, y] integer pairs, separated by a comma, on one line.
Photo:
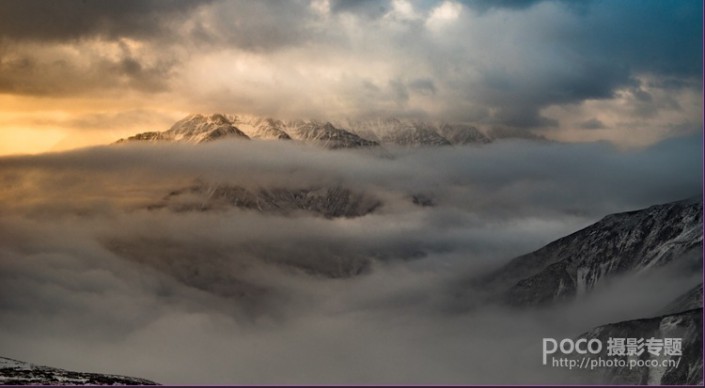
{"points": [[685, 369], [198, 128], [619, 243], [329, 202], [13, 372]]}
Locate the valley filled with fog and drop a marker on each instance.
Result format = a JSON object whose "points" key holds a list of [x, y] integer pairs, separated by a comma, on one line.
{"points": [[120, 259]]}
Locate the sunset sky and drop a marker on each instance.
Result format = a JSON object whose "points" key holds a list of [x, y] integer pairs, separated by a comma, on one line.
{"points": [[76, 73]]}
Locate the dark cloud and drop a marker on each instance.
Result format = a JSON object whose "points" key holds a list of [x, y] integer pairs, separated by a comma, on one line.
{"points": [[657, 37], [32, 73], [423, 85], [601, 50], [47, 20], [490, 4], [519, 5], [592, 124], [260, 26], [367, 8]]}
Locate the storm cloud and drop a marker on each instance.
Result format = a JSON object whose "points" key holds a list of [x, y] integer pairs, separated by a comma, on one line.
{"points": [[44, 20], [492, 64]]}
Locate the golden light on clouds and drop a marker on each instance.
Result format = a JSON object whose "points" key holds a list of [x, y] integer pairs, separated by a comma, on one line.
{"points": [[23, 140], [634, 117], [40, 124]]}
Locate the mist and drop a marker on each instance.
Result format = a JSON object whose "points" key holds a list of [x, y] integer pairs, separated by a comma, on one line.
{"points": [[94, 278]]}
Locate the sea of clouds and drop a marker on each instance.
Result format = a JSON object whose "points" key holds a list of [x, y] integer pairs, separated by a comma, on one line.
{"points": [[93, 279]]}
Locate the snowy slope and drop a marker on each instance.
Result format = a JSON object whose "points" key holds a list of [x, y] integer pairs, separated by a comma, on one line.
{"points": [[619, 243], [414, 133], [259, 127], [198, 128], [403, 132], [325, 134], [194, 129], [13, 372]]}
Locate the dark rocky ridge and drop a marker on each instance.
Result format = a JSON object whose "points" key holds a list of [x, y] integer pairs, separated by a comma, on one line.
{"points": [[329, 202], [690, 300]]}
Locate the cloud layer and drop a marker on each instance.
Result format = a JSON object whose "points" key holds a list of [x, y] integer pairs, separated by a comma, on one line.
{"points": [[93, 280]]}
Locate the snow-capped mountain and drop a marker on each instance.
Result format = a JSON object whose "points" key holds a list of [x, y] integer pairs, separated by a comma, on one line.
{"points": [[619, 243], [198, 128], [329, 202], [194, 129], [13, 372]]}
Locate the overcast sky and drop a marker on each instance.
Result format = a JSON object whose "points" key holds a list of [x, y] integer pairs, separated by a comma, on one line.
{"points": [[84, 72]]}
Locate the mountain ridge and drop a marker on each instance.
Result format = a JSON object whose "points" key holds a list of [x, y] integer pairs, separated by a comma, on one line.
{"points": [[347, 133], [618, 243]]}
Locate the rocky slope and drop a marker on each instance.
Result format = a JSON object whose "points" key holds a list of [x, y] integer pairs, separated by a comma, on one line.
{"points": [[198, 128], [329, 202], [619, 243], [462, 134], [630, 242], [13, 372], [415, 133], [685, 369], [690, 300]]}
